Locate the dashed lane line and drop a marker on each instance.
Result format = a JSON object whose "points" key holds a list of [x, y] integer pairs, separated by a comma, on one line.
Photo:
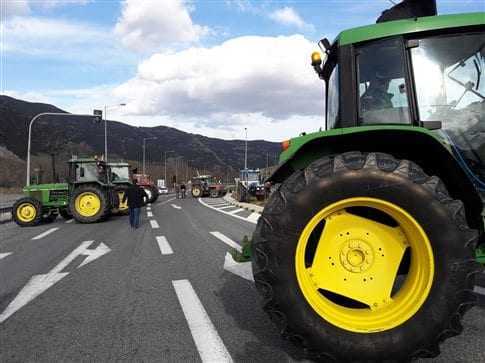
{"points": [[236, 211], [209, 344], [149, 208], [49, 231], [176, 206], [228, 213], [5, 254], [69, 221], [149, 214], [226, 240], [154, 224], [166, 201], [165, 247]]}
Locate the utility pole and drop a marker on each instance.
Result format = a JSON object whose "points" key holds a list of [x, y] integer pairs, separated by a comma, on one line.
{"points": [[246, 149], [144, 147], [106, 127]]}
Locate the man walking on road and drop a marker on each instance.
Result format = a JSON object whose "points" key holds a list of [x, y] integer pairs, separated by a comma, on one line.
{"points": [[135, 196]]}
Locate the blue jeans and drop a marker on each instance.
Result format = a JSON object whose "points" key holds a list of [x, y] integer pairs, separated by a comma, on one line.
{"points": [[135, 217]]}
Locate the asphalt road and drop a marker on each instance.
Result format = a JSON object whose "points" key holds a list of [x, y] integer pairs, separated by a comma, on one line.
{"points": [[104, 292]]}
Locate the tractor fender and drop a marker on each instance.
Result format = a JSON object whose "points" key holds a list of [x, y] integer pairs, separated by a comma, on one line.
{"points": [[430, 151]]}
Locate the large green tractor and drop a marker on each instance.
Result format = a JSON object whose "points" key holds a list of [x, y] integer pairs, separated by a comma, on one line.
{"points": [[87, 196], [367, 250]]}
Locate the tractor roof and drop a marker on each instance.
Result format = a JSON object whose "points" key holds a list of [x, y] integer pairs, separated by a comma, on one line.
{"points": [[409, 26], [120, 164], [85, 160]]}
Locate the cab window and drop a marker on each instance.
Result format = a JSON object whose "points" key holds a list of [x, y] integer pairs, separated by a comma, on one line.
{"points": [[382, 85]]}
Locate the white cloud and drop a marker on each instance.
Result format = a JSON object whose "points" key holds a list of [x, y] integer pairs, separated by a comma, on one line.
{"points": [[247, 79], [289, 16], [152, 25]]}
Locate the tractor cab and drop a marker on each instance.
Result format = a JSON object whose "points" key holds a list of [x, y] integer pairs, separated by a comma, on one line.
{"points": [[421, 77], [88, 170], [119, 173]]}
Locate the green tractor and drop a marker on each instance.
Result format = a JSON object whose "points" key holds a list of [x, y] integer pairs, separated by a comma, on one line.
{"points": [[119, 176], [369, 247], [87, 196]]}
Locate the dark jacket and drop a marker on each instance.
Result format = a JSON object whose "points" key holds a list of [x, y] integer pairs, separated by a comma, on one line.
{"points": [[135, 196]]}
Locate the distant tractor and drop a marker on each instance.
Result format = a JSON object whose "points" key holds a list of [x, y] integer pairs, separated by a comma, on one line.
{"points": [[205, 186], [249, 185], [87, 196], [147, 183], [369, 247]]}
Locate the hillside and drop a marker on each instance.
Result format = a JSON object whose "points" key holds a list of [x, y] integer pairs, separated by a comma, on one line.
{"points": [[78, 135]]}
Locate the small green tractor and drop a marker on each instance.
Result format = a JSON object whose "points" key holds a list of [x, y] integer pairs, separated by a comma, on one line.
{"points": [[88, 196], [369, 247]]}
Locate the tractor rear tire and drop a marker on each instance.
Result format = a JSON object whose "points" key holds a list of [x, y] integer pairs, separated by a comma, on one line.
{"points": [[65, 214], [332, 226], [196, 191], [89, 204], [27, 212]]}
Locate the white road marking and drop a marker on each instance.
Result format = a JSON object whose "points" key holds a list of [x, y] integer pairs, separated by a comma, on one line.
{"points": [[242, 269], [217, 205], [149, 208], [208, 342], [236, 211], [253, 217], [154, 224], [49, 231], [226, 207], [5, 254], [69, 221], [228, 213], [149, 204], [40, 283], [149, 214], [176, 206], [167, 201], [479, 290], [165, 248], [227, 240]]}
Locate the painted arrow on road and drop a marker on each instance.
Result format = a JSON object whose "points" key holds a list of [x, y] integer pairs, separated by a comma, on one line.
{"points": [[40, 283], [242, 269], [3, 255]]}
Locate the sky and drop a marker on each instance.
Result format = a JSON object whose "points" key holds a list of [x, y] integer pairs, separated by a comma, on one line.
{"points": [[212, 67]]}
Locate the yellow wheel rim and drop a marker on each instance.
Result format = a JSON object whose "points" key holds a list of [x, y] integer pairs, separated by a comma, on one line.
{"points": [[348, 271], [88, 204], [122, 206], [26, 212]]}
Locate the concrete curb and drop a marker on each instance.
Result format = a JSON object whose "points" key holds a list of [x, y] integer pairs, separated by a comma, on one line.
{"points": [[248, 206]]}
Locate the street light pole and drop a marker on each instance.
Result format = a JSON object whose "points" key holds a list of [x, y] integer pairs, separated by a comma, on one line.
{"points": [[106, 127], [144, 147], [246, 150], [30, 134], [165, 154]]}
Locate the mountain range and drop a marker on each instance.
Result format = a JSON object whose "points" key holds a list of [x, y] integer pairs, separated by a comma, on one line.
{"points": [[81, 135]]}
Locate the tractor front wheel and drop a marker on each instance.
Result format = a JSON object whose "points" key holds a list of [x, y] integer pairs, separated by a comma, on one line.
{"points": [[196, 191], [365, 257], [89, 204], [27, 212]]}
